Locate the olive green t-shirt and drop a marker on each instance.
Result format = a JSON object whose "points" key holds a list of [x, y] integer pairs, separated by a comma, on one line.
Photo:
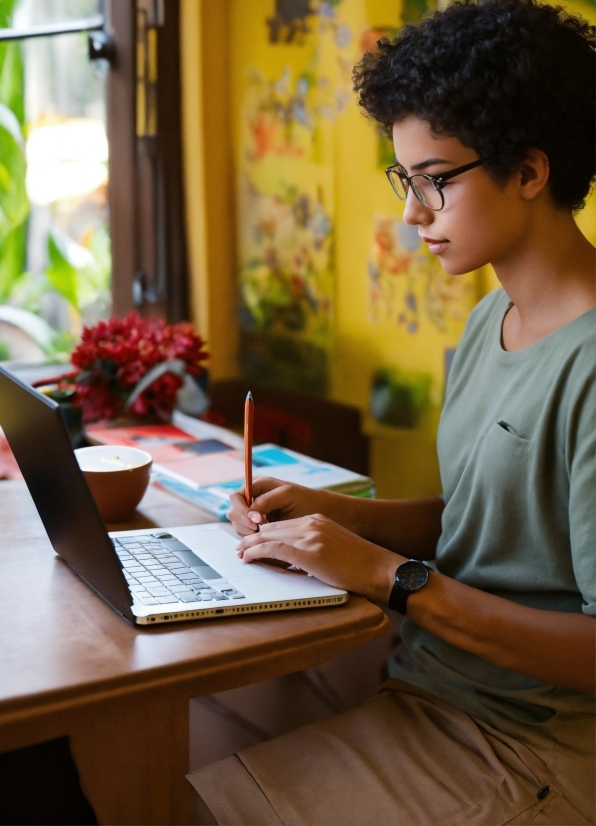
{"points": [[517, 453]]}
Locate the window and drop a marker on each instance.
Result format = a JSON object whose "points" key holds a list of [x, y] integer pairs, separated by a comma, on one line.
{"points": [[91, 217]]}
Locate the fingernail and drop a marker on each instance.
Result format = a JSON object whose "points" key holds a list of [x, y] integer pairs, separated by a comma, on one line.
{"points": [[255, 517]]}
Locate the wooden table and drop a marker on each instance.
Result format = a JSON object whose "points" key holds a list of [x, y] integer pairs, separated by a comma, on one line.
{"points": [[71, 666]]}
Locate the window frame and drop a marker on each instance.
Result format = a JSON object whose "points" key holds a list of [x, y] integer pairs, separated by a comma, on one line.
{"points": [[149, 256]]}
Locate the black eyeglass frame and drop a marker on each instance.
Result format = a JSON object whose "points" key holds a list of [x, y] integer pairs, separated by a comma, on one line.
{"points": [[437, 181]]}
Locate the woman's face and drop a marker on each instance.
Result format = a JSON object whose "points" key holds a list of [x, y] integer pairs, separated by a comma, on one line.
{"points": [[483, 221]]}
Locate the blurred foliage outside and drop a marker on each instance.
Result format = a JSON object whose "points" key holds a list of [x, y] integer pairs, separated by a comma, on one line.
{"points": [[78, 273]]}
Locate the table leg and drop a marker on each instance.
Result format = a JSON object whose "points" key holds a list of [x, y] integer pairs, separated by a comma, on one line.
{"points": [[132, 759], [131, 753]]}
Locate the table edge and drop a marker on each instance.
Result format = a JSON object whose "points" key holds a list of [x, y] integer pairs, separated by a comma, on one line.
{"points": [[217, 675]]}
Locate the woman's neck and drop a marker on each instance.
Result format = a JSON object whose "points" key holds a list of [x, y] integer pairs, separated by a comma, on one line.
{"points": [[550, 278]]}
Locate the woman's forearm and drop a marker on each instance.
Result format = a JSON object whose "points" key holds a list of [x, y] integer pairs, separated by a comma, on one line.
{"points": [[410, 527], [554, 647]]}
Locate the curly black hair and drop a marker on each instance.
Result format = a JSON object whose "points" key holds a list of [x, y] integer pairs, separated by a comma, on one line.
{"points": [[503, 76]]}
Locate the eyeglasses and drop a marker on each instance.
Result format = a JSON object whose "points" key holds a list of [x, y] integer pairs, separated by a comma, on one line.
{"points": [[427, 188]]}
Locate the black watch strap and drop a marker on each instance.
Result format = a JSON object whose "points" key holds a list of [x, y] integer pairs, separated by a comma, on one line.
{"points": [[398, 597]]}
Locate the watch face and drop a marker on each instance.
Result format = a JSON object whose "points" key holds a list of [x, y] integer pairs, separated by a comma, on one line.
{"points": [[412, 575]]}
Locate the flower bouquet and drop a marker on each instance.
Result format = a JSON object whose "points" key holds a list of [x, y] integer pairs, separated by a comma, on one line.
{"points": [[135, 367]]}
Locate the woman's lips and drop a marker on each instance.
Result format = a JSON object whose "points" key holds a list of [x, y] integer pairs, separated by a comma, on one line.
{"points": [[435, 246]]}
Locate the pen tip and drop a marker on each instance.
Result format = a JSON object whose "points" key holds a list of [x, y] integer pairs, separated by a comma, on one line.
{"points": [[249, 396]]}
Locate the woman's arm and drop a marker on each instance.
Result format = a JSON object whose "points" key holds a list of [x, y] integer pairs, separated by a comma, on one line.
{"points": [[551, 646], [554, 647], [408, 526], [411, 527]]}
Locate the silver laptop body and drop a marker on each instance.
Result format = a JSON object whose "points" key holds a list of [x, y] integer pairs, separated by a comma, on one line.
{"points": [[148, 576]]}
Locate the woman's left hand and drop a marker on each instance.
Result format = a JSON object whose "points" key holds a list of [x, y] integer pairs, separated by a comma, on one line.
{"points": [[328, 551]]}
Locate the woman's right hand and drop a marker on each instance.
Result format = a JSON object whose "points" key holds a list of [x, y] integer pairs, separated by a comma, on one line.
{"points": [[273, 501]]}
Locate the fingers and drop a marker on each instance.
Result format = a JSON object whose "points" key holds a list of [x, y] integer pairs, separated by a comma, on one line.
{"points": [[262, 484], [271, 496], [271, 531], [272, 499], [270, 551], [238, 514]]}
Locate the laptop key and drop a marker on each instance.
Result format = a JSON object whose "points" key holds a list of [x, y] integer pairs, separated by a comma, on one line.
{"points": [[232, 592], [189, 598], [166, 600], [146, 599]]}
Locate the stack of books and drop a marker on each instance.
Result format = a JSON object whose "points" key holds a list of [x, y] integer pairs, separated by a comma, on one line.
{"points": [[203, 463]]}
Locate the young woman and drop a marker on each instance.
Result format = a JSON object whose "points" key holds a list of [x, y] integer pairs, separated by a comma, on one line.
{"points": [[489, 716]]}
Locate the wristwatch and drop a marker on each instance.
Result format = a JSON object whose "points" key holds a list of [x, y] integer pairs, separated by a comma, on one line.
{"points": [[410, 576]]}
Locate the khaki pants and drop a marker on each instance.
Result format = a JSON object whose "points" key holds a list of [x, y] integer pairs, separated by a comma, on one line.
{"points": [[406, 757]]}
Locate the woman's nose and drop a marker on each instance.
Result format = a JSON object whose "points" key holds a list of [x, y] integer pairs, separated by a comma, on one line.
{"points": [[414, 212]]}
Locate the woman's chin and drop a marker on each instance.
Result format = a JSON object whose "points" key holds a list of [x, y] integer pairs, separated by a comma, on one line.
{"points": [[453, 266]]}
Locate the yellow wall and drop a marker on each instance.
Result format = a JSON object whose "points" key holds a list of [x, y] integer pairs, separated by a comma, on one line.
{"points": [[208, 163], [219, 39]]}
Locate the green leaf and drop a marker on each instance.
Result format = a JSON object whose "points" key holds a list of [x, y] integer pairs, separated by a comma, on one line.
{"points": [[12, 80], [10, 122], [12, 260], [34, 326], [6, 10], [14, 204], [94, 276], [62, 272], [12, 89]]}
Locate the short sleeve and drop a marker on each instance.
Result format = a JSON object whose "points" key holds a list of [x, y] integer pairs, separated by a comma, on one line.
{"points": [[581, 453]]}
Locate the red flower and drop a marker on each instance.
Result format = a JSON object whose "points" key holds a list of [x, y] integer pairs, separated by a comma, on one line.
{"points": [[114, 356]]}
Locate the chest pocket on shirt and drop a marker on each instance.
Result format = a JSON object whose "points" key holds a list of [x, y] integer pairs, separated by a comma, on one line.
{"points": [[504, 454]]}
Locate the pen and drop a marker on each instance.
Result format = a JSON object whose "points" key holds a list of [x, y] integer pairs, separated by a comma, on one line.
{"points": [[249, 408]]}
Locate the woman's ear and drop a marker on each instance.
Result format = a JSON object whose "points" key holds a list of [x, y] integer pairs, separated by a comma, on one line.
{"points": [[534, 174]]}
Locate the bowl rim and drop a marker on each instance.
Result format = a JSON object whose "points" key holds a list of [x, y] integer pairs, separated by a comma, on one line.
{"points": [[148, 458]]}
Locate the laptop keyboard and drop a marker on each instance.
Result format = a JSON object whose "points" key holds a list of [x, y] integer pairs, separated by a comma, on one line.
{"points": [[156, 573]]}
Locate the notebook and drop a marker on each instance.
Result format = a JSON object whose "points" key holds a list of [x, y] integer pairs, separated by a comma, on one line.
{"points": [[147, 576]]}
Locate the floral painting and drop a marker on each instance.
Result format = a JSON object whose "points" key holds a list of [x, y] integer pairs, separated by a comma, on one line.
{"points": [[285, 274], [291, 21], [282, 114], [407, 284], [286, 285]]}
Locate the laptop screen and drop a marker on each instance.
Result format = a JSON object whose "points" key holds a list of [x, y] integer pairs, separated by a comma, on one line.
{"points": [[38, 437]]}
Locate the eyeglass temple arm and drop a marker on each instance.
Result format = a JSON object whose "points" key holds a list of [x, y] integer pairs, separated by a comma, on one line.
{"points": [[447, 175]]}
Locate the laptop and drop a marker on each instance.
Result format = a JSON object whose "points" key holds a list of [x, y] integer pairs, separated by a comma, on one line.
{"points": [[148, 576]]}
